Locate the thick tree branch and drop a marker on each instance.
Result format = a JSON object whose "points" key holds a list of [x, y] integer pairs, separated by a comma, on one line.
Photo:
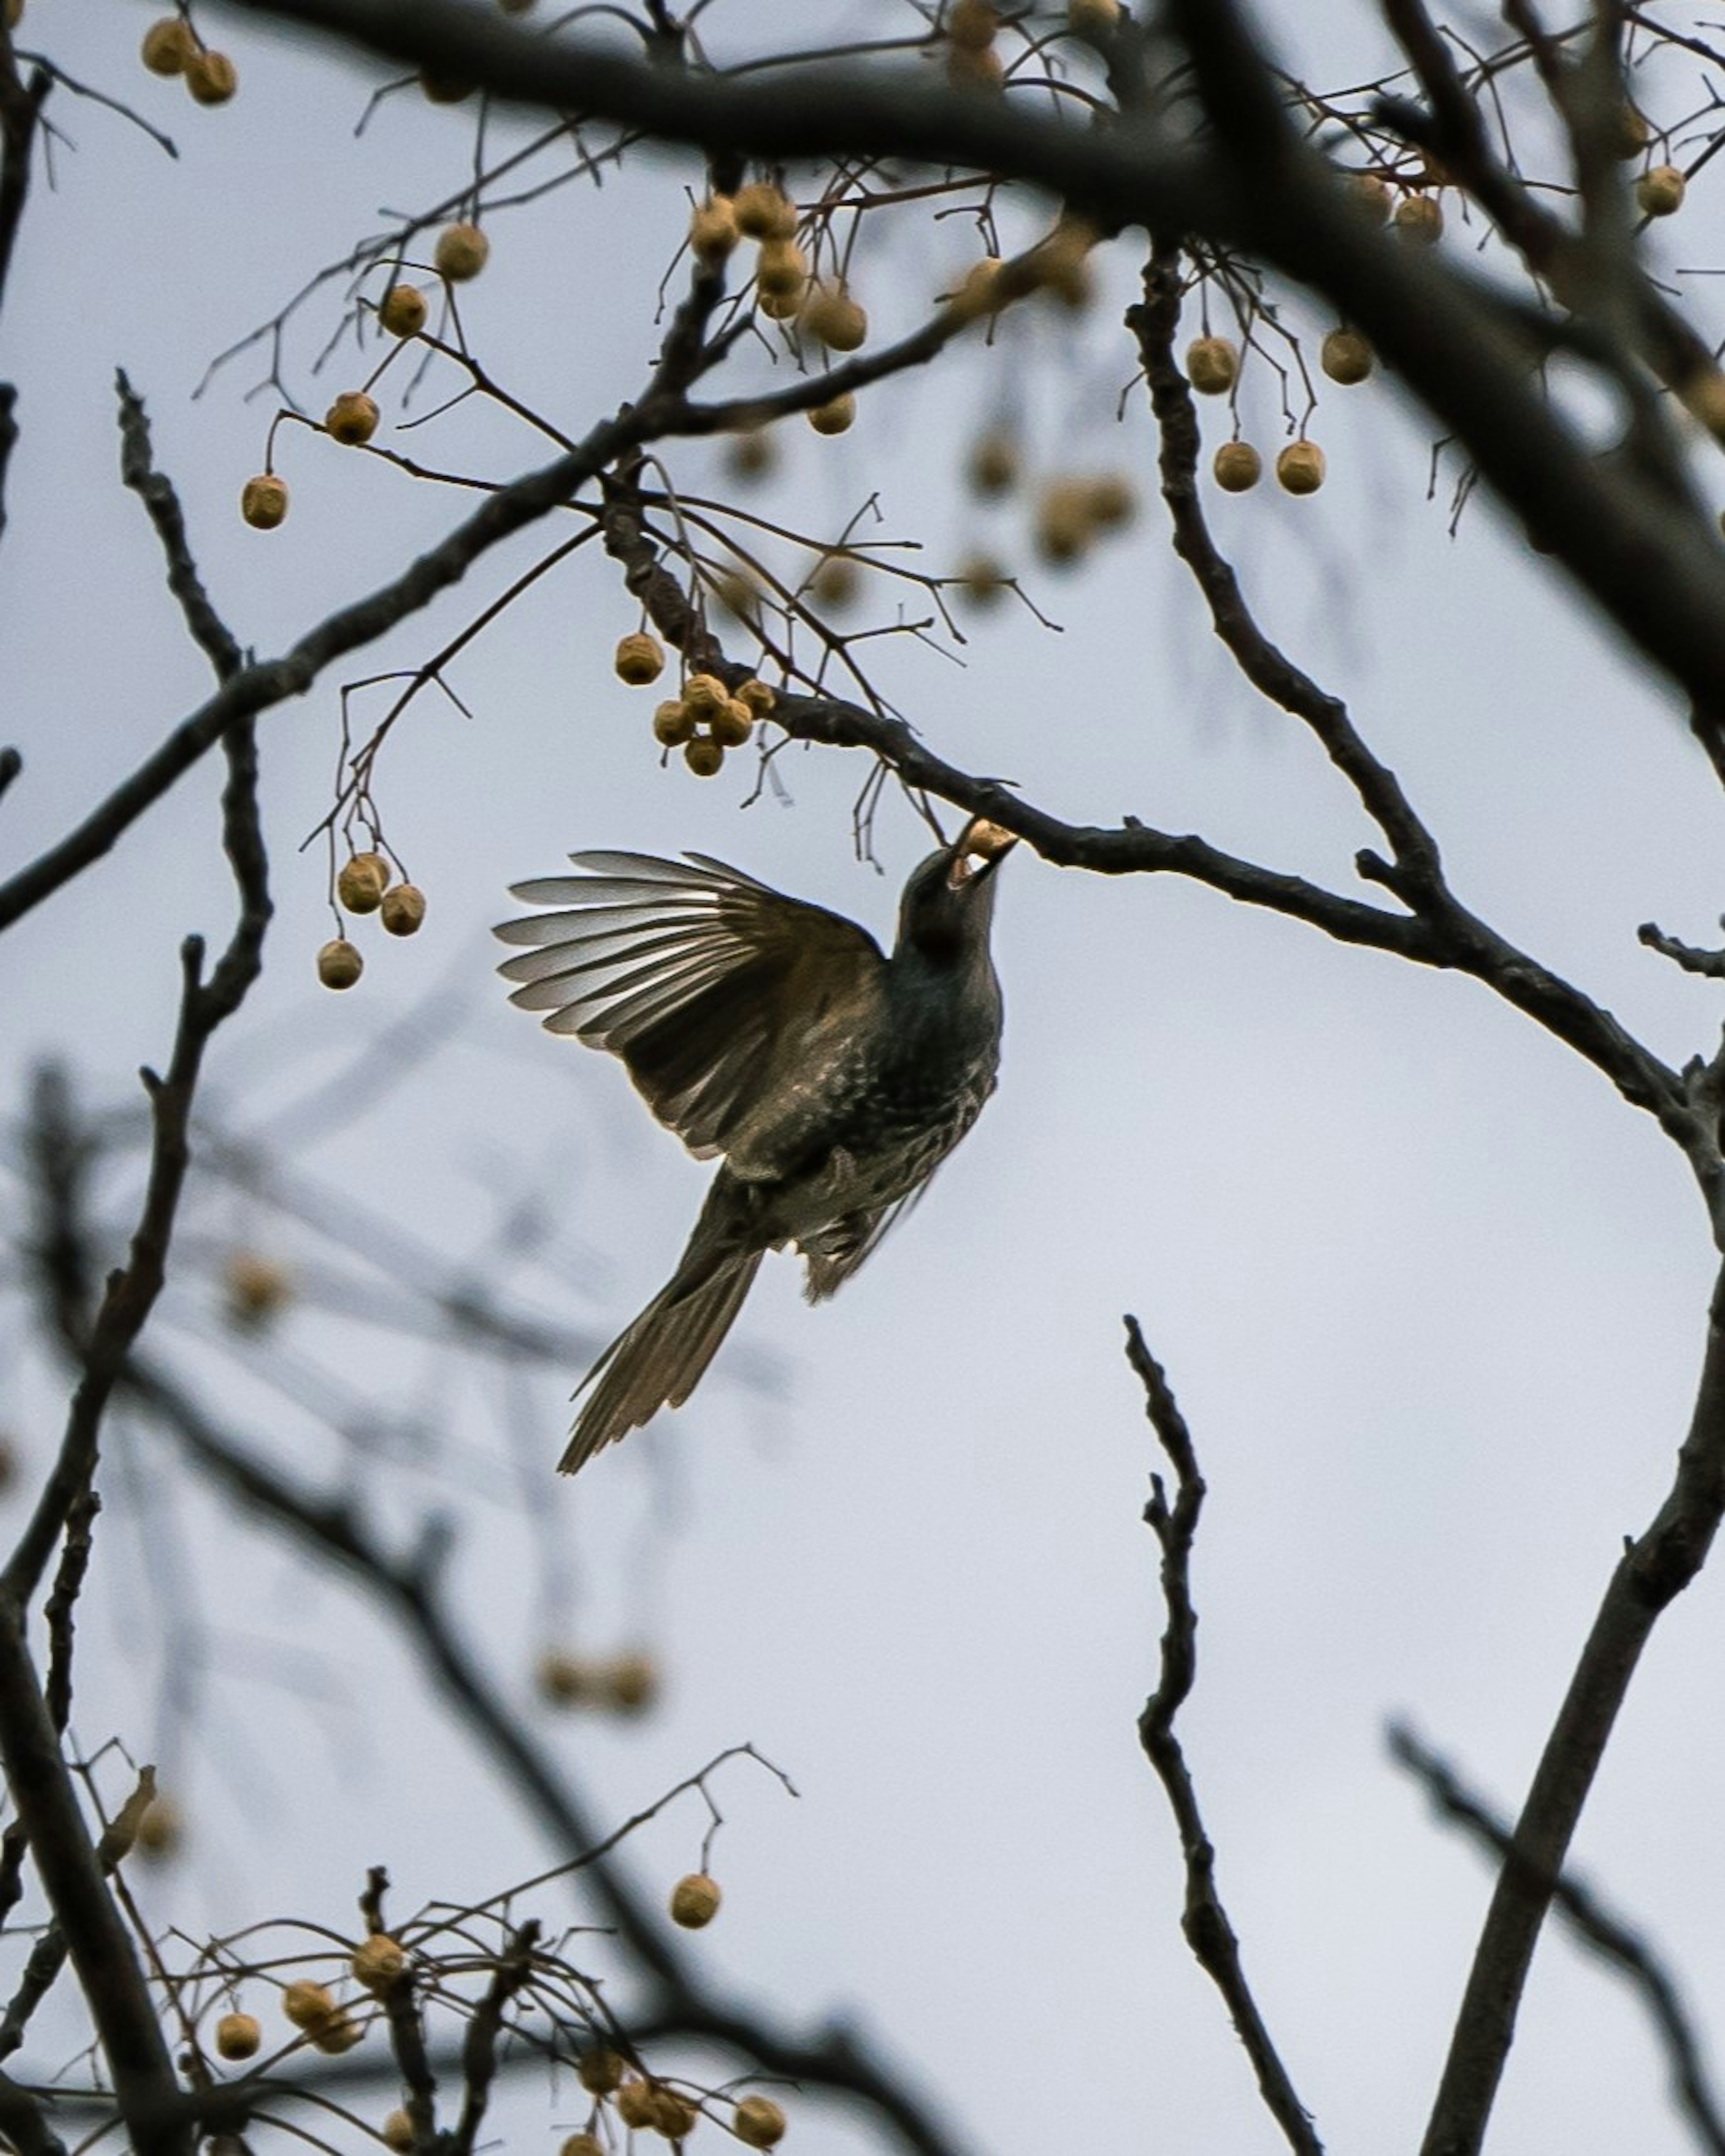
{"points": [[1653, 1571]]}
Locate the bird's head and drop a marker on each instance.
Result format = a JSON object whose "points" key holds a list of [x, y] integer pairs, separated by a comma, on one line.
{"points": [[949, 901]]}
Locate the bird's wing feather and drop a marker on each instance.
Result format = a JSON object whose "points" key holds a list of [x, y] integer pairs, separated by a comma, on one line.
{"points": [[693, 974]]}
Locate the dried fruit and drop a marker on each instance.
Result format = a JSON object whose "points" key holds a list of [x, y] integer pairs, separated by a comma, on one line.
{"points": [[1346, 356], [563, 1677], [836, 319], [1237, 467], [1371, 190], [704, 756], [981, 292], [994, 462], [403, 310], [756, 696], [1111, 500], [969, 66], [377, 1962], [705, 694], [971, 24], [762, 213], [361, 882], [1632, 134], [238, 2036], [833, 581], [751, 454], [306, 2005], [599, 2071], [782, 270], [167, 48], [1212, 365], [1660, 192], [695, 1900], [837, 416], [713, 232], [404, 910], [1300, 468], [161, 1829], [758, 2121], [1420, 217], [640, 658], [255, 1290], [263, 501], [1064, 528], [582, 2144], [731, 725], [736, 590], [982, 579], [673, 2116], [673, 723], [461, 252], [211, 77], [444, 88], [352, 419], [634, 2102], [631, 1680], [339, 965], [1092, 18], [338, 2034], [396, 2132], [1060, 265]]}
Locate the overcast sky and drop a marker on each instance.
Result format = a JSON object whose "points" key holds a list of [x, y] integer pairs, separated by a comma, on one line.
{"points": [[1431, 1296]]}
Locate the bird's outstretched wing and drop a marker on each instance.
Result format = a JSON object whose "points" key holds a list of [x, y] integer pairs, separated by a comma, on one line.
{"points": [[697, 975]]}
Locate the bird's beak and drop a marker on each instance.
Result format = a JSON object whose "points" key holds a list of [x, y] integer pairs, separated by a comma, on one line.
{"points": [[978, 847]]}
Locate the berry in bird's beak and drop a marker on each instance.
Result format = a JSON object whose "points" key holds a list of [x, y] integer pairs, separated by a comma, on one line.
{"points": [[979, 846]]}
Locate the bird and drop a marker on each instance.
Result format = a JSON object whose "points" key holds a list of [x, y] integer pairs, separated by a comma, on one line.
{"points": [[830, 1081]]}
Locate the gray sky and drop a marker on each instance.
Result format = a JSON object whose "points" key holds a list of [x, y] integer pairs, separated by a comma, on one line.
{"points": [[1432, 1298]]}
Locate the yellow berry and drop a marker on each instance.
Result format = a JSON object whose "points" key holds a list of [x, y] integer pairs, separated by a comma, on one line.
{"points": [[339, 965], [632, 1680], [263, 501], [732, 725], [167, 48], [982, 579], [1371, 190], [1212, 365], [402, 909], [780, 306], [834, 582], [835, 318], [1660, 192], [361, 882], [403, 311], [352, 419], [161, 1829], [712, 230], [756, 696], [758, 2122], [994, 463], [1111, 500], [306, 2005], [582, 2144], [377, 1962], [599, 2071], [837, 416], [762, 212], [396, 2132], [751, 454], [782, 270], [971, 24], [256, 1288], [704, 756], [704, 694], [695, 1900], [337, 2034], [1420, 217], [634, 2102], [1300, 468], [1238, 467], [673, 723], [1346, 356], [672, 2117], [211, 77], [736, 590], [1060, 265], [238, 2036], [982, 291], [1632, 133], [640, 658], [1064, 525], [562, 1677], [460, 252], [971, 66]]}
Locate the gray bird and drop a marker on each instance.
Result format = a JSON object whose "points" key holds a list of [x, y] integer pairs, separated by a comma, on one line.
{"points": [[832, 1081]]}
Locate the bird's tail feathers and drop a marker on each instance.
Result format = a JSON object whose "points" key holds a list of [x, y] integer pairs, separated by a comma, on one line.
{"points": [[658, 1360]]}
